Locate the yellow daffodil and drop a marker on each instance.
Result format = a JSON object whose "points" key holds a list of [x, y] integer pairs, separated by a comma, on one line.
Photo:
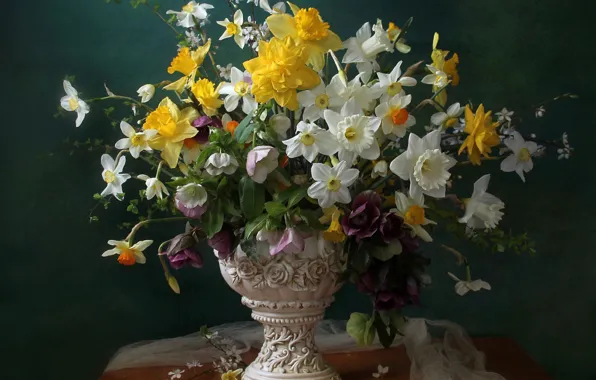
{"points": [[306, 28], [482, 135], [187, 62], [173, 127], [448, 66], [232, 375], [280, 70], [207, 95], [334, 233], [127, 254]]}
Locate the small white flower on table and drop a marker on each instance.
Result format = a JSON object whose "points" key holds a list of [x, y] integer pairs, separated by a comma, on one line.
{"points": [[176, 374], [462, 287], [194, 364], [381, 372]]}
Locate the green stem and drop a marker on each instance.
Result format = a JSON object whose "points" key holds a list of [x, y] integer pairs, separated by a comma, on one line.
{"points": [[381, 181], [120, 97], [135, 229], [158, 169], [162, 19], [482, 159]]}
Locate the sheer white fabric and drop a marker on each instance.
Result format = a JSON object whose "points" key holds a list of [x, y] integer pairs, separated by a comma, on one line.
{"points": [[453, 358]]}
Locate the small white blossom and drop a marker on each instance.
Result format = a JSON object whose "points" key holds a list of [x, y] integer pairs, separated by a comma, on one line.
{"points": [[364, 48], [146, 92], [154, 187], [483, 210], [225, 71], [194, 364], [331, 183], [504, 115], [220, 163], [462, 287], [381, 371], [450, 118], [234, 29], [176, 374], [392, 84], [520, 160], [113, 176], [192, 10], [72, 103], [191, 195], [380, 169], [128, 255], [540, 111], [310, 140], [135, 142], [436, 78], [411, 210], [238, 89]]}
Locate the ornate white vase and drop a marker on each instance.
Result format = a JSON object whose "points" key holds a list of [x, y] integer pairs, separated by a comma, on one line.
{"points": [[288, 294]]}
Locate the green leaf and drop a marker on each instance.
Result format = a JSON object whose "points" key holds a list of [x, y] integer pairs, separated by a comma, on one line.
{"points": [[275, 209], [231, 208], [179, 181], [205, 154], [311, 218], [359, 327], [222, 184], [244, 129], [398, 321], [252, 197], [213, 219], [293, 196], [385, 253], [254, 226]]}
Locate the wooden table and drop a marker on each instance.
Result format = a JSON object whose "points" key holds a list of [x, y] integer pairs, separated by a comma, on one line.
{"points": [[503, 355]]}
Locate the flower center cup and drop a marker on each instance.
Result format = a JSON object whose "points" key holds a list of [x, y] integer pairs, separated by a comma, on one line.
{"points": [[307, 139], [350, 134], [136, 139], [231, 126], [73, 103], [399, 116], [414, 215], [241, 88], [394, 88], [232, 29], [450, 122], [310, 26], [188, 8], [524, 155], [322, 101], [109, 176], [127, 257], [333, 184]]}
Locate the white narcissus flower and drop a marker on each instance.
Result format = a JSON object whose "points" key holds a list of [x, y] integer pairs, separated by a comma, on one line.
{"points": [[449, 119], [192, 10], [392, 84], [310, 140], [354, 132], [424, 165], [363, 48], [113, 176], [332, 183], [395, 117], [146, 92], [135, 142], [314, 101], [483, 210], [219, 163], [280, 124], [154, 187], [504, 115], [462, 287], [72, 103], [520, 160], [261, 161], [437, 78], [233, 29], [380, 169], [238, 88], [340, 92], [411, 210], [128, 255], [191, 195]]}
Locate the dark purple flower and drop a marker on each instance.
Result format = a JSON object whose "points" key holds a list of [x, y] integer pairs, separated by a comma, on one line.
{"points": [[366, 283], [363, 220], [389, 300], [392, 227], [413, 289], [187, 256], [202, 125], [194, 213], [223, 242]]}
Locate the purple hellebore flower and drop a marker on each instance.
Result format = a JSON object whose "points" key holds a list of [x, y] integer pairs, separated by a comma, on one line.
{"points": [[392, 227], [291, 242], [363, 220], [202, 125], [184, 257], [223, 242], [194, 213], [261, 161], [389, 300]]}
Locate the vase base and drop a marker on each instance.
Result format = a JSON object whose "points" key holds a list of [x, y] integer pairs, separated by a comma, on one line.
{"points": [[255, 374]]}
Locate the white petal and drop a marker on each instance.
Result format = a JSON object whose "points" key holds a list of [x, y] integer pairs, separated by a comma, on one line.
{"points": [[120, 164], [348, 177], [80, 117], [461, 288], [317, 190], [142, 245], [238, 17], [343, 195], [231, 102], [123, 143], [372, 152], [110, 252], [227, 88], [429, 79], [127, 129], [408, 81], [326, 143], [107, 162], [306, 98], [509, 164], [321, 172], [332, 118], [480, 186], [249, 104], [401, 167], [70, 91], [438, 118]]}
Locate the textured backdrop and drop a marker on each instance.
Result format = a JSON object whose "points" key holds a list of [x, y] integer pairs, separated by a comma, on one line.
{"points": [[64, 310]]}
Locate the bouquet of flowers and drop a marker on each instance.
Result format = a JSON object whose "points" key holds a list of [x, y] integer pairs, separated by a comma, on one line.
{"points": [[296, 141]]}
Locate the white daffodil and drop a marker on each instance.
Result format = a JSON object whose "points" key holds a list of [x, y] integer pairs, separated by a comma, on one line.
{"points": [[520, 160], [310, 140], [191, 195], [363, 48], [219, 163], [128, 255], [332, 183], [437, 78], [279, 7], [340, 92], [238, 88], [395, 117], [483, 210], [113, 176], [411, 210], [72, 103], [135, 142], [154, 187], [504, 115], [314, 101], [233, 29], [280, 124], [462, 287], [380, 169], [392, 84], [191, 11], [449, 119], [146, 92], [424, 165], [354, 132]]}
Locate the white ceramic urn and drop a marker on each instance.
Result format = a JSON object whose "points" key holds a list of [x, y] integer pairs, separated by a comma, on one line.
{"points": [[288, 294]]}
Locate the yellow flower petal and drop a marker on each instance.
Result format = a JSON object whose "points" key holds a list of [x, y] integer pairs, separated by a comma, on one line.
{"points": [[282, 25], [177, 86]]}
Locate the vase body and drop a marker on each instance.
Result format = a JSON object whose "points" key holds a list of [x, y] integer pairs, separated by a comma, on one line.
{"points": [[288, 294]]}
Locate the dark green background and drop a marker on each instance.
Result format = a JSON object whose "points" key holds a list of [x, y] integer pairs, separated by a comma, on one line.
{"points": [[64, 310]]}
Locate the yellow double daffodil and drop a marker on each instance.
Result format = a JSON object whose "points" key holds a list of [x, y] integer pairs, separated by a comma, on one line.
{"points": [[187, 62], [482, 134], [448, 66]]}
